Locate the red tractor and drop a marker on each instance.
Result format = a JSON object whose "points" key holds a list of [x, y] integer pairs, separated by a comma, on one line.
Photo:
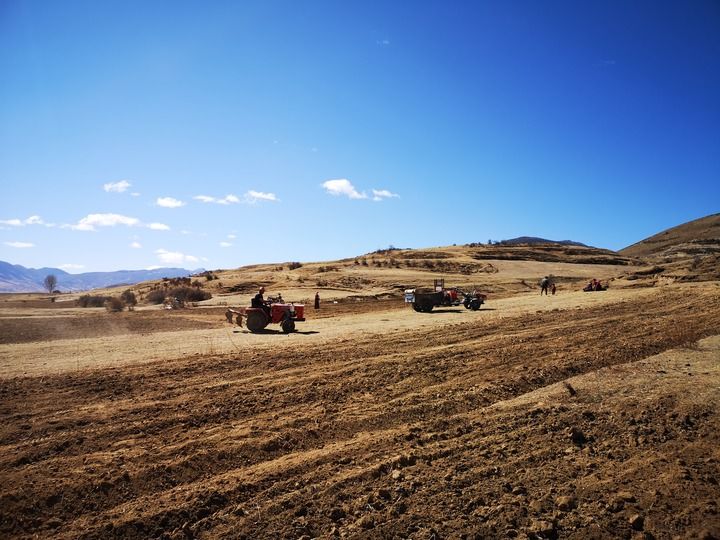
{"points": [[274, 312]]}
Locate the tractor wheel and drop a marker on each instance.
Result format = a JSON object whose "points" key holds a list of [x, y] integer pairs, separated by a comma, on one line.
{"points": [[288, 325], [256, 321], [417, 307], [428, 307]]}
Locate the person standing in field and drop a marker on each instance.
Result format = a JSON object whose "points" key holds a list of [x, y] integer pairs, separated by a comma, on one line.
{"points": [[544, 284], [553, 289], [317, 300]]}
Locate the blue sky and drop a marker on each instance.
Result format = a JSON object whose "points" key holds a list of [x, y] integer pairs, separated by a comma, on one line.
{"points": [[136, 134]]}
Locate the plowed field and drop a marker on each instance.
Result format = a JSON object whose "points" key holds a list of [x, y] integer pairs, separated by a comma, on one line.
{"points": [[535, 417]]}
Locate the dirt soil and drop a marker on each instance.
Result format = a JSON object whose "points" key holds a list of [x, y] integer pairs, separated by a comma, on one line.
{"points": [[586, 415]]}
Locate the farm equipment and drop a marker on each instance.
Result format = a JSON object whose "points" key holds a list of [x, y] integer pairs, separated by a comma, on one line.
{"points": [[423, 300], [474, 300], [257, 318]]}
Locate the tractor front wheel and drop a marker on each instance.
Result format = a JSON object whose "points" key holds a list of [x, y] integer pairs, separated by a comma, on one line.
{"points": [[256, 321], [288, 325]]}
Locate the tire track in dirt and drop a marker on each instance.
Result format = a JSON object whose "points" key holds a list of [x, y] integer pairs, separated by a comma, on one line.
{"points": [[163, 446]]}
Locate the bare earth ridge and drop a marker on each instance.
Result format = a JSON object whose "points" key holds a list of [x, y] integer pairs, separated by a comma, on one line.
{"points": [[574, 416]]}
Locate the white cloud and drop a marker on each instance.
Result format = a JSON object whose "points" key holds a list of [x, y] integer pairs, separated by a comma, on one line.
{"points": [[32, 220], [12, 222], [20, 245], [136, 245], [342, 186], [71, 266], [225, 244], [91, 221], [169, 202], [227, 199], [135, 194], [117, 187], [232, 236], [381, 194], [252, 197], [175, 257]]}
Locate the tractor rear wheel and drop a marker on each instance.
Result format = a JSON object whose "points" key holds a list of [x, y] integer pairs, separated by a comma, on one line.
{"points": [[256, 321], [417, 307], [288, 325]]}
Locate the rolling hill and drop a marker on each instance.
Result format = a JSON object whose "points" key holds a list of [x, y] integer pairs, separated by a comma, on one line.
{"points": [[697, 237]]}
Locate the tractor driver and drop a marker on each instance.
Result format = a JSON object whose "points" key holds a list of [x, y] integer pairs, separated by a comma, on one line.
{"points": [[259, 302]]}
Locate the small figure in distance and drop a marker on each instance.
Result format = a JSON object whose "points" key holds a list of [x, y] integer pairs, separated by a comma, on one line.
{"points": [[544, 284], [553, 289], [317, 300]]}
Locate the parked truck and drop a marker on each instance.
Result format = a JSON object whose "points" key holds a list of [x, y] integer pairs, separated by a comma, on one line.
{"points": [[423, 300]]}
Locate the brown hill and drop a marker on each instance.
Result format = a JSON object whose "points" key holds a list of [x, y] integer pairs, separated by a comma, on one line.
{"points": [[697, 237], [492, 268]]}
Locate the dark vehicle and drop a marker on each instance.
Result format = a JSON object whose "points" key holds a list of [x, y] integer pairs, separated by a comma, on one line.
{"points": [[423, 300], [474, 300]]}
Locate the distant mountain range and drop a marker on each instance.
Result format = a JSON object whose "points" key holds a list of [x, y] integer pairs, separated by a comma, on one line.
{"points": [[17, 278]]}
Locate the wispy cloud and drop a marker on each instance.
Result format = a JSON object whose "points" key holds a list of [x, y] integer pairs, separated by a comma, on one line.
{"points": [[92, 221], [70, 266], [227, 199], [225, 244], [382, 194], [175, 257], [343, 187], [253, 197], [169, 202], [20, 245], [135, 245], [32, 220], [117, 187], [382, 42]]}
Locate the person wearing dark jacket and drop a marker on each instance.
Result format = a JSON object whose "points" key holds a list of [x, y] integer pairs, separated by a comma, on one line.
{"points": [[317, 300], [258, 300]]}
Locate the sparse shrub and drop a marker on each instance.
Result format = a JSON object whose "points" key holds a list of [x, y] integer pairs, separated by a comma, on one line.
{"points": [[129, 299], [188, 294], [87, 300], [114, 304], [321, 283], [294, 265], [156, 296]]}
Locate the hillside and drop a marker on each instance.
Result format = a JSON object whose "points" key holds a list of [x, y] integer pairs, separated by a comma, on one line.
{"points": [[697, 237], [496, 269]]}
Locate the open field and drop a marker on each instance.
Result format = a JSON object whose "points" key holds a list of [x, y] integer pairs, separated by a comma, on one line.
{"points": [[574, 416]]}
